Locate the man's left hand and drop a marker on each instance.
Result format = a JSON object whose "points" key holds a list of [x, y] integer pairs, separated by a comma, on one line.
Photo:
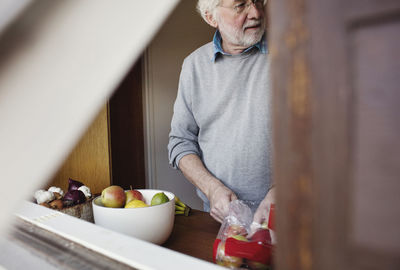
{"points": [[262, 214]]}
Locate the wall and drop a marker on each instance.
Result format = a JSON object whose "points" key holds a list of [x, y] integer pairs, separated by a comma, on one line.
{"points": [[183, 32]]}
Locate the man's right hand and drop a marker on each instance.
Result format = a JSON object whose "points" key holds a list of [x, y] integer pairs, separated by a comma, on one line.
{"points": [[220, 196], [217, 193]]}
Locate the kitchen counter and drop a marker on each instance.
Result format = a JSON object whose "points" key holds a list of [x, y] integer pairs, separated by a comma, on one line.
{"points": [[72, 243], [194, 235]]}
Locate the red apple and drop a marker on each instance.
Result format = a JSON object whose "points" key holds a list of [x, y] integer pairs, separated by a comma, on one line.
{"points": [[113, 196], [133, 195], [228, 261]]}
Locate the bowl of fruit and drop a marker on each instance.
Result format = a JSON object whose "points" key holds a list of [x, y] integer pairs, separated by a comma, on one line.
{"points": [[146, 214]]}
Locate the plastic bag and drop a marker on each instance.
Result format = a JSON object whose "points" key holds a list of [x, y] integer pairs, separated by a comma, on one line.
{"points": [[241, 244]]}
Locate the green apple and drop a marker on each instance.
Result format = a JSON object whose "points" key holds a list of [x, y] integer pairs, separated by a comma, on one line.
{"points": [[113, 196], [240, 238], [159, 198]]}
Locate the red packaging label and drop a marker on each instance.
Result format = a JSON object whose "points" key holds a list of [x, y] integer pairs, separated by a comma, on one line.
{"points": [[215, 248], [250, 250], [271, 219], [254, 251]]}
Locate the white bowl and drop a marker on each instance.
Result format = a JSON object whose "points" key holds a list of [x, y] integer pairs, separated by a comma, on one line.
{"points": [[153, 223]]}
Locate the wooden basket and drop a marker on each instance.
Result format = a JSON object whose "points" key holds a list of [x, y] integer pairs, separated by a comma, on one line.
{"points": [[83, 211]]}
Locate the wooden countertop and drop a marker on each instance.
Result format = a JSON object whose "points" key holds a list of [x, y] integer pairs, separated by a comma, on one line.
{"points": [[194, 235]]}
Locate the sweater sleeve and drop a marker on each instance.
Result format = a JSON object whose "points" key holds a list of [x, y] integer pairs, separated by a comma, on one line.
{"points": [[183, 137]]}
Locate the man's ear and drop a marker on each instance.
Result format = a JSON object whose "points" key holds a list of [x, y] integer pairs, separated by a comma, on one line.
{"points": [[211, 20]]}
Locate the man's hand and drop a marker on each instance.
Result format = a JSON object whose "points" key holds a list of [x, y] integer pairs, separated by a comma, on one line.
{"points": [[262, 213], [217, 193], [220, 197]]}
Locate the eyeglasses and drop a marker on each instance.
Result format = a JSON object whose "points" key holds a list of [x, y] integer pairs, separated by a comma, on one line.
{"points": [[244, 6]]}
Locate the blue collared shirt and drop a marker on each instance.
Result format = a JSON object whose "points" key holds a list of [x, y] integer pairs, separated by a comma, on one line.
{"points": [[217, 41]]}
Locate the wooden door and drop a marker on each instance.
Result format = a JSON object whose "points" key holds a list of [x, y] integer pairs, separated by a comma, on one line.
{"points": [[126, 131], [336, 81], [89, 161]]}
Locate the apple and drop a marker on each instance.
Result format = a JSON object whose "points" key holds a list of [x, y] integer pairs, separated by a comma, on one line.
{"points": [[133, 195], [264, 225], [228, 261], [235, 229], [240, 237], [113, 196]]}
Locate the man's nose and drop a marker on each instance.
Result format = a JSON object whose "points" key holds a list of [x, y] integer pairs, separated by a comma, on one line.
{"points": [[254, 12]]}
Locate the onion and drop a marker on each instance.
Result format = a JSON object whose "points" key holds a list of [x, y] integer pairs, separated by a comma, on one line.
{"points": [[73, 197], [73, 184]]}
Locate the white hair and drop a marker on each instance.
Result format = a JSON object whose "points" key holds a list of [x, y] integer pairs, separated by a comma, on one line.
{"points": [[205, 7]]}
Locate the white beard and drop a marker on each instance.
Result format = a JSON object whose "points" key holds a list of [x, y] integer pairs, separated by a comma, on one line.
{"points": [[238, 36]]}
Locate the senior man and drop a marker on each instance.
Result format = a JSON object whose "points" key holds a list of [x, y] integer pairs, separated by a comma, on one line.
{"points": [[220, 132]]}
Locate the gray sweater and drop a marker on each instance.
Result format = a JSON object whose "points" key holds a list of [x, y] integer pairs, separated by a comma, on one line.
{"points": [[222, 114]]}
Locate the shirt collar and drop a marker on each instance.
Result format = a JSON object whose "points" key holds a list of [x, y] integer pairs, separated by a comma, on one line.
{"points": [[217, 41]]}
